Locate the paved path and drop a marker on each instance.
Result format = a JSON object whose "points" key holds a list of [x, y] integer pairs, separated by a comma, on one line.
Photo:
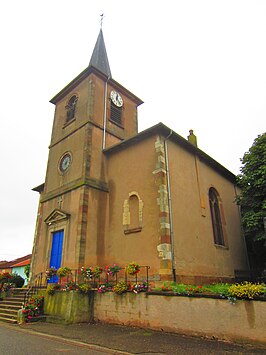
{"points": [[14, 341], [114, 339]]}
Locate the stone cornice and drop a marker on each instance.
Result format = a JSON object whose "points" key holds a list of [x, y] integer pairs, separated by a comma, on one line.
{"points": [[90, 183]]}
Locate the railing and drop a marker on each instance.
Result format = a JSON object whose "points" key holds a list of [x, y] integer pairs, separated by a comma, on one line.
{"points": [[39, 281], [76, 277]]}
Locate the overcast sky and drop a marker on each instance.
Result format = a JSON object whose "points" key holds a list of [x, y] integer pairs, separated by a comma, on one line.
{"points": [[196, 65]]}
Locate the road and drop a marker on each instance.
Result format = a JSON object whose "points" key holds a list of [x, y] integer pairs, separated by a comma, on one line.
{"points": [[18, 342], [49, 338]]}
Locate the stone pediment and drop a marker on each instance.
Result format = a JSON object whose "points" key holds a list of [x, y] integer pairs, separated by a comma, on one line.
{"points": [[56, 216]]}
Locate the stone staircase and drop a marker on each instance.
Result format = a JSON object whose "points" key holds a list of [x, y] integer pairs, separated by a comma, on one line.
{"points": [[9, 306]]}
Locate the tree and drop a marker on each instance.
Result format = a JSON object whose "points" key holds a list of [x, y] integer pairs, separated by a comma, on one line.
{"points": [[252, 199]]}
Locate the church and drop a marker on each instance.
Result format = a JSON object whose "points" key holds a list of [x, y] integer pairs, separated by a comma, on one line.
{"points": [[116, 195]]}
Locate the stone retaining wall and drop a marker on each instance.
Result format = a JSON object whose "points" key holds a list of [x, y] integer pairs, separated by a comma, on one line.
{"points": [[243, 321], [240, 322]]}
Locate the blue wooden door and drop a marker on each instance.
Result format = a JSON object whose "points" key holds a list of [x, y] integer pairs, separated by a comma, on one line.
{"points": [[56, 252]]}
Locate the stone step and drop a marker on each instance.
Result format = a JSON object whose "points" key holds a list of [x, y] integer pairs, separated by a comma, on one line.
{"points": [[13, 305], [15, 298], [8, 320], [9, 315], [8, 310]]}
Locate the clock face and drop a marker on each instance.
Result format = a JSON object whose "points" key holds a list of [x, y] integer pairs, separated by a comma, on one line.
{"points": [[116, 98], [65, 162]]}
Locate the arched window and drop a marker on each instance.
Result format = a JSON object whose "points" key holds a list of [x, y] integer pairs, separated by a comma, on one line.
{"points": [[132, 213], [216, 217], [71, 108]]}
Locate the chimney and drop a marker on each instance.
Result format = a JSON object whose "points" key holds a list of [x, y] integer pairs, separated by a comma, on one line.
{"points": [[192, 138]]}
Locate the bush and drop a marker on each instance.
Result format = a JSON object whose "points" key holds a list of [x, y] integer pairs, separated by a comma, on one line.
{"points": [[246, 290], [17, 280], [5, 277], [34, 307], [27, 271]]}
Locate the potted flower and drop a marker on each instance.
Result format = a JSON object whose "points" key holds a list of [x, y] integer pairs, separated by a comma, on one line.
{"points": [[132, 268], [120, 287], [96, 271], [87, 273], [84, 288], [140, 287], [112, 270], [64, 271], [50, 272]]}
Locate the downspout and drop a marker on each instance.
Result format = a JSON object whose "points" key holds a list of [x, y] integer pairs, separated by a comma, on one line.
{"points": [[105, 113], [170, 205]]}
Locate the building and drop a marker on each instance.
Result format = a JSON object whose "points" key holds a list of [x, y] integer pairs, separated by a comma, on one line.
{"points": [[16, 266], [113, 195]]}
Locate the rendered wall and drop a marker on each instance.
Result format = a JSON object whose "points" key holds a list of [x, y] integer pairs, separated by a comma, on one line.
{"points": [[243, 321], [69, 307]]}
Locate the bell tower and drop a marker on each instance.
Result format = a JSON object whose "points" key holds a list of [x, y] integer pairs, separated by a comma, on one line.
{"points": [[92, 112]]}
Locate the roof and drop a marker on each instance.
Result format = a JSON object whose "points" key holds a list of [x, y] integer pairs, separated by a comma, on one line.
{"points": [[99, 65], [99, 58], [22, 263], [160, 128], [12, 263], [84, 74]]}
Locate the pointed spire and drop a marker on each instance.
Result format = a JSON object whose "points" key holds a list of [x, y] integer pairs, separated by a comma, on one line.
{"points": [[99, 58]]}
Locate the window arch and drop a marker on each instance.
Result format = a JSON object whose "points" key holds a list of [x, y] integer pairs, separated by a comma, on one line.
{"points": [[132, 213], [71, 108], [217, 226]]}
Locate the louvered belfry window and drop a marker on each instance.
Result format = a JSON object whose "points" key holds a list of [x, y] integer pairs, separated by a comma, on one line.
{"points": [[71, 108], [116, 114]]}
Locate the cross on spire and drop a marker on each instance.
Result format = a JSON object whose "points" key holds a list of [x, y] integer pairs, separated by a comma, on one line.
{"points": [[101, 20]]}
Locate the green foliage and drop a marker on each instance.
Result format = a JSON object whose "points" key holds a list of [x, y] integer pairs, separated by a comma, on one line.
{"points": [[17, 280], [84, 288], [132, 268], [34, 307], [252, 181], [27, 271], [5, 277], [120, 287], [63, 271], [218, 289], [52, 288]]}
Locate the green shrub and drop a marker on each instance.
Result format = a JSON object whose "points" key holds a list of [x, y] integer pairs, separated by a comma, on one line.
{"points": [[34, 307], [17, 280], [27, 271], [246, 290]]}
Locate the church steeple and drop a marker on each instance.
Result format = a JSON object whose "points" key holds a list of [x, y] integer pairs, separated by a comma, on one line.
{"points": [[99, 59]]}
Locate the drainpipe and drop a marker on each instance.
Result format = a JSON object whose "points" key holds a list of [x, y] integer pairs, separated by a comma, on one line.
{"points": [[105, 113], [170, 204]]}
